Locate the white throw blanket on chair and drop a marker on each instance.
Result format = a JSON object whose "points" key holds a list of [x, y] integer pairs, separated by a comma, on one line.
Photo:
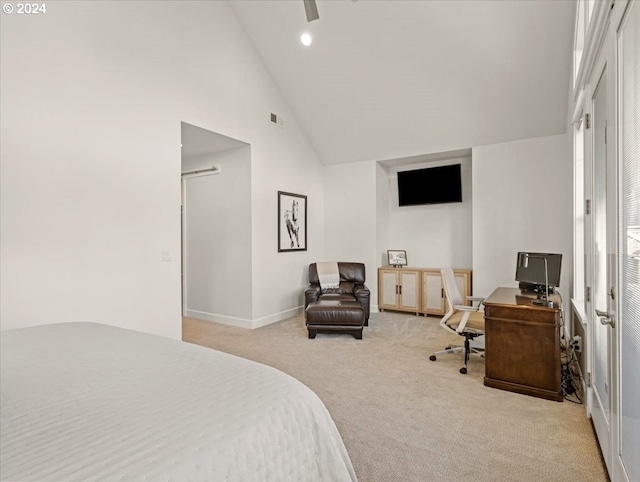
{"points": [[328, 275]]}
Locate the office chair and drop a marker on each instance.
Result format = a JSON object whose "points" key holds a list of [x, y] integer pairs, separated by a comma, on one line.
{"points": [[467, 321]]}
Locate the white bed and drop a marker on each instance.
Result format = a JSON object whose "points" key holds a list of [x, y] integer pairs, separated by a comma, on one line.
{"points": [[84, 401]]}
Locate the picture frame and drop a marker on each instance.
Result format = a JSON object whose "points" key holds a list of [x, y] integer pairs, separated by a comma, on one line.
{"points": [[397, 257], [292, 222]]}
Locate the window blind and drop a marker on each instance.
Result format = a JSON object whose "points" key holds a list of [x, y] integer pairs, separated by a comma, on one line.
{"points": [[629, 315]]}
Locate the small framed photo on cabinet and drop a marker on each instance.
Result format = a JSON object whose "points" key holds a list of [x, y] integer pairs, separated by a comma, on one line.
{"points": [[397, 257]]}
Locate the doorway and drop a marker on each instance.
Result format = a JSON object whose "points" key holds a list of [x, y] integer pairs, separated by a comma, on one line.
{"points": [[216, 227]]}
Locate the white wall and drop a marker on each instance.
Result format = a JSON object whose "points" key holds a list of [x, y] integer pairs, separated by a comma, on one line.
{"points": [[217, 238], [516, 197], [350, 210], [437, 235], [383, 220], [282, 163], [93, 95], [92, 104], [522, 195]]}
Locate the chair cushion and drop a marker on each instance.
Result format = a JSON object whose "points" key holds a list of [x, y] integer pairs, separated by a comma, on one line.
{"points": [[474, 323], [337, 297], [334, 312]]}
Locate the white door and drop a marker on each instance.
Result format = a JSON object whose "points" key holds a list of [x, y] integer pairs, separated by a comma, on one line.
{"points": [[201, 293], [601, 309], [626, 462]]}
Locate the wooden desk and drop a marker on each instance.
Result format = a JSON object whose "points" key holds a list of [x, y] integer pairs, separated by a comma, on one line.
{"points": [[522, 344]]}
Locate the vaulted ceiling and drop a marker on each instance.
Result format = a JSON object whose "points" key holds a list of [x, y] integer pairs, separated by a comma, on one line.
{"points": [[387, 79]]}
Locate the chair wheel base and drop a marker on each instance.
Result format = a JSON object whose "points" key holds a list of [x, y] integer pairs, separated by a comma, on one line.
{"points": [[432, 358], [463, 370]]}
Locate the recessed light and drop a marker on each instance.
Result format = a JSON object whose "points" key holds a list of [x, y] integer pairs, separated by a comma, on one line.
{"points": [[306, 39]]}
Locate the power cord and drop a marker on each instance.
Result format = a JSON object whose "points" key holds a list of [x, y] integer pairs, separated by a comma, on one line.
{"points": [[571, 377], [557, 292], [570, 373]]}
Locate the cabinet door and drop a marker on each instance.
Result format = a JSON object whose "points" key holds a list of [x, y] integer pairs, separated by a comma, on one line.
{"points": [[432, 293], [410, 284], [463, 280], [387, 290]]}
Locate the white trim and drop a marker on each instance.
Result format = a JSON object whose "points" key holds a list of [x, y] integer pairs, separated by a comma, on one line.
{"points": [[577, 306], [252, 324], [244, 322], [183, 254], [578, 111], [274, 318], [225, 320], [593, 41]]}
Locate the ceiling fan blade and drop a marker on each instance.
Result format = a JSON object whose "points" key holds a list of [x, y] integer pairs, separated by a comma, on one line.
{"points": [[311, 9]]}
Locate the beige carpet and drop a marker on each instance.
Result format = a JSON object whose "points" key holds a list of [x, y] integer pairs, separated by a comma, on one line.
{"points": [[405, 418]]}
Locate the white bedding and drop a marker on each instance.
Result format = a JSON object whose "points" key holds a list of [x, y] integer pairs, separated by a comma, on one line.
{"points": [[84, 401]]}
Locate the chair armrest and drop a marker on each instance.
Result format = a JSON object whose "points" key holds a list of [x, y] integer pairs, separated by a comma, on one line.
{"points": [[475, 298], [465, 308], [311, 294], [360, 288], [363, 295]]}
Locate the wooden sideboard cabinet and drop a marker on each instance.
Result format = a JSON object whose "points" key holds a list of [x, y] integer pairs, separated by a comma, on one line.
{"points": [[433, 295], [417, 290], [522, 343], [399, 289]]}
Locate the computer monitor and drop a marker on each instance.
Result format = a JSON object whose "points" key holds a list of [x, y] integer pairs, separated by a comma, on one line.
{"points": [[530, 270]]}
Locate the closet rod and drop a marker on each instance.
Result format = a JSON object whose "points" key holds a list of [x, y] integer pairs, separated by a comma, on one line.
{"points": [[211, 169]]}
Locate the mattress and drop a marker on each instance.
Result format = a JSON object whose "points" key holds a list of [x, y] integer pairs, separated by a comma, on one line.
{"points": [[85, 401]]}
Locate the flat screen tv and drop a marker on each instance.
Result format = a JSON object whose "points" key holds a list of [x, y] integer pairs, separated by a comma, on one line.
{"points": [[433, 185], [530, 270]]}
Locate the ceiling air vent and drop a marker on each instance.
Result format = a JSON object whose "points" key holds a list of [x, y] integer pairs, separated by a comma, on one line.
{"points": [[277, 120]]}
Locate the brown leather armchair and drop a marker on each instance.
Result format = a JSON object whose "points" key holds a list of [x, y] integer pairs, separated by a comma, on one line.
{"points": [[352, 287]]}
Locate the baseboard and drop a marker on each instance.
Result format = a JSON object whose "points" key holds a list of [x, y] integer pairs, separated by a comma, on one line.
{"points": [[243, 322], [217, 318], [283, 315]]}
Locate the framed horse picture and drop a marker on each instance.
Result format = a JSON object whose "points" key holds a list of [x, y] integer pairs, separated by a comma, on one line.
{"points": [[292, 222]]}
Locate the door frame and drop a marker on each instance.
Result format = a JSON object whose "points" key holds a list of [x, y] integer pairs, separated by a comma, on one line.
{"points": [[602, 420], [606, 60], [183, 231]]}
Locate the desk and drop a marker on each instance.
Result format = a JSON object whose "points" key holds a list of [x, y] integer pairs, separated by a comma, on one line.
{"points": [[522, 344]]}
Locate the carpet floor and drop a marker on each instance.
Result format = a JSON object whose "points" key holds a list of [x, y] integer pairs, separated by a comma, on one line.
{"points": [[405, 418]]}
